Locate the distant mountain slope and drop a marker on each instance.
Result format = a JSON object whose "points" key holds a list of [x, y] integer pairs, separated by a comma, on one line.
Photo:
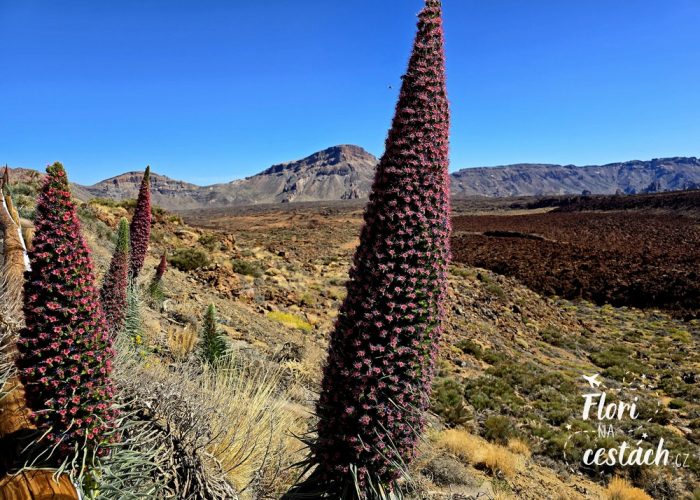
{"points": [[337, 173], [666, 174], [346, 172]]}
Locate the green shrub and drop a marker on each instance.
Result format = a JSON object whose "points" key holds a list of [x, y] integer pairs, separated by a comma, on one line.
{"points": [[448, 402], [106, 202], [470, 347], [653, 411], [490, 393], [307, 300], [128, 204], [499, 429], [26, 206], [676, 404], [22, 188], [210, 242], [189, 259], [617, 362], [88, 218], [557, 338], [495, 290], [493, 357], [246, 268]]}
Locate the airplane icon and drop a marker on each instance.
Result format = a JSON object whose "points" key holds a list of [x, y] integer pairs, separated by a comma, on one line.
{"points": [[593, 380]]}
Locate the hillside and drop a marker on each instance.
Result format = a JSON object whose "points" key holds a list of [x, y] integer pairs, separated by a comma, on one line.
{"points": [[337, 173], [665, 174], [509, 370], [346, 172]]}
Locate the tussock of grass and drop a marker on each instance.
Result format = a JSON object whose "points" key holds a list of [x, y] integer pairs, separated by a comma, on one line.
{"points": [[460, 444], [519, 447], [253, 421], [621, 489], [498, 459], [306, 372], [181, 342], [290, 320]]}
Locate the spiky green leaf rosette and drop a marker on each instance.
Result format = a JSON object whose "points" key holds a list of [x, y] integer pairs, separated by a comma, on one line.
{"points": [[212, 345]]}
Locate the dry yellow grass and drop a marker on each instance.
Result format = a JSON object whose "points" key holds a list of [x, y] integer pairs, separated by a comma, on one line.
{"points": [[519, 447], [500, 495], [477, 451], [253, 422], [181, 341], [499, 460], [461, 444], [307, 371], [621, 489]]}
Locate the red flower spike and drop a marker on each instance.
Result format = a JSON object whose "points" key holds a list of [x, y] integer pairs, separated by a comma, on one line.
{"points": [[72, 338], [397, 288], [141, 226], [113, 292]]}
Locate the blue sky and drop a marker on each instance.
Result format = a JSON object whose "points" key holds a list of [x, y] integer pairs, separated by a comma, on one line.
{"points": [[209, 91]]}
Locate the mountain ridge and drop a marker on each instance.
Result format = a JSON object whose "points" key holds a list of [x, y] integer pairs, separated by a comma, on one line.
{"points": [[347, 171]]}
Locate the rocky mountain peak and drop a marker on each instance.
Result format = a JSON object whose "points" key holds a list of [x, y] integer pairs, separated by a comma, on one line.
{"points": [[345, 154]]}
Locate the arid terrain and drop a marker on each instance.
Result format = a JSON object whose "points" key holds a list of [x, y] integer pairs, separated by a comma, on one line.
{"points": [[638, 259], [538, 299], [506, 418]]}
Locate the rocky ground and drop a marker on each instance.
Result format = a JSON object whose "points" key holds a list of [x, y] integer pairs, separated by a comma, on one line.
{"points": [[508, 396], [512, 360]]}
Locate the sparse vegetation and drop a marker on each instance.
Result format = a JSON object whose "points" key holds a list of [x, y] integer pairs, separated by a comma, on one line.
{"points": [[519, 447], [498, 459], [448, 401], [181, 342]]}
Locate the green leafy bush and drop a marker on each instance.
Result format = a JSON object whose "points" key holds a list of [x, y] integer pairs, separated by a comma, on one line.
{"points": [[499, 429], [557, 338], [617, 362], [448, 401], [189, 259], [470, 347], [210, 242], [246, 268]]}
